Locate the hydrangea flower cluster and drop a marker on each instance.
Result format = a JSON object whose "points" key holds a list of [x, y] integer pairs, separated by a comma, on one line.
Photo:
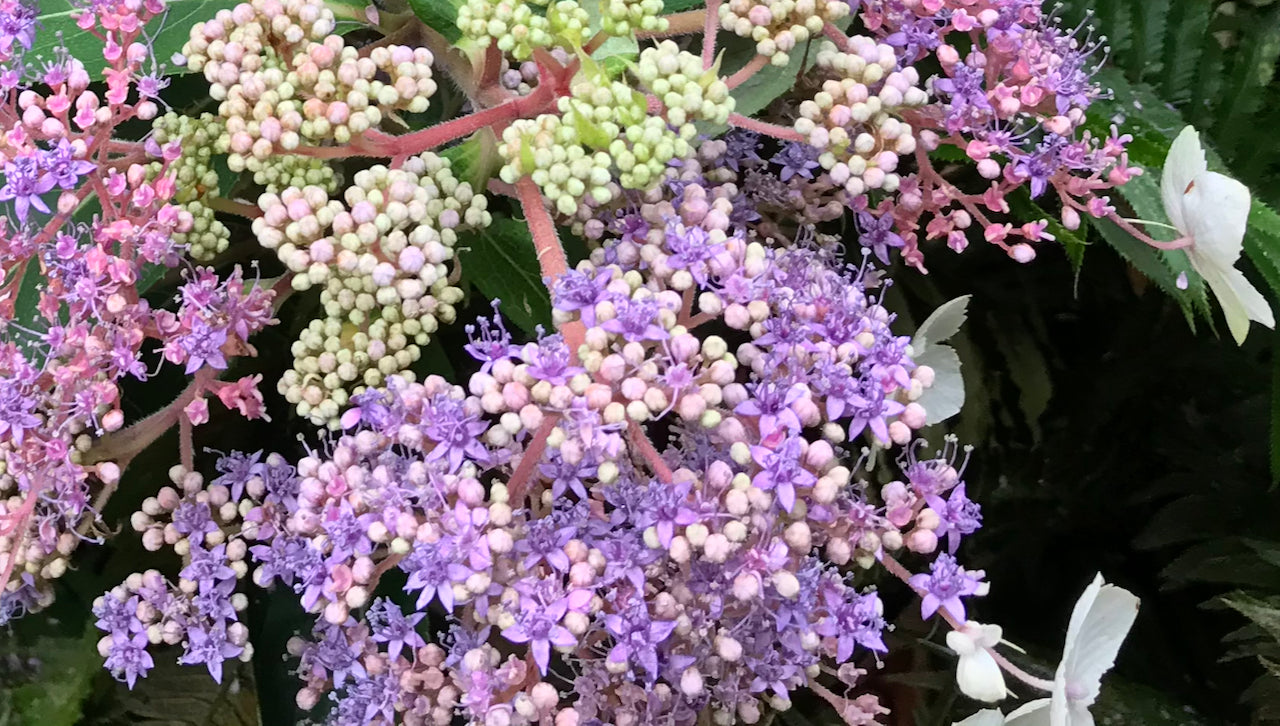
{"points": [[1014, 103], [663, 509], [382, 262], [88, 218], [698, 565], [778, 26], [604, 129]]}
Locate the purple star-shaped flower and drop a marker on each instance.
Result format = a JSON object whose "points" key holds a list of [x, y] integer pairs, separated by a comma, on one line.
{"points": [[944, 585]]}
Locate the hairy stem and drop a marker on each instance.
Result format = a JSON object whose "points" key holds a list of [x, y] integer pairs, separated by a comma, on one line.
{"points": [[709, 27], [649, 452], [519, 481], [762, 127], [743, 74], [233, 206], [1143, 237], [690, 21]]}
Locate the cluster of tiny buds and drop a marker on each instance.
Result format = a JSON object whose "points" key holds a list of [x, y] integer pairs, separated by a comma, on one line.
{"points": [[283, 78], [778, 26], [854, 119], [382, 259], [624, 17], [517, 28], [686, 90], [154, 521], [195, 178]]}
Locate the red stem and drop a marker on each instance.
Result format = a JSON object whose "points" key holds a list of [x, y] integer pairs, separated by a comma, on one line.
{"points": [[709, 33], [837, 36], [743, 74], [519, 480], [690, 21], [778, 132], [650, 453], [378, 144]]}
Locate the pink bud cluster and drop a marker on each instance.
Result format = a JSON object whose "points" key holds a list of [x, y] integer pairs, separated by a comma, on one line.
{"points": [[284, 79], [382, 259], [856, 119]]}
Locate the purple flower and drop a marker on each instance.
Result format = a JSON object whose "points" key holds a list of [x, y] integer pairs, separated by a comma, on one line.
{"points": [[211, 648], [236, 469], [128, 657], [390, 625], [63, 167], [24, 183], [637, 321], [566, 476], [332, 654], [669, 506], [17, 25], [193, 519], [550, 360], [574, 291], [772, 403], [781, 470], [969, 103], [945, 584], [852, 619], [878, 235], [689, 248], [869, 408], [17, 411], [208, 568], [432, 577], [740, 149], [796, 159], [118, 616], [540, 628], [1039, 167], [493, 342], [637, 638], [544, 541], [958, 516], [200, 347], [455, 430]]}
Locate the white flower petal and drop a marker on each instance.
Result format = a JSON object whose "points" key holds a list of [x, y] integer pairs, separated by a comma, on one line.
{"points": [[985, 717], [980, 677]]}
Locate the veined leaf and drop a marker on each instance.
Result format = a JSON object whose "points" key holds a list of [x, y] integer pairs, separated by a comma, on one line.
{"points": [[167, 33], [439, 15], [772, 81], [500, 261], [679, 6]]}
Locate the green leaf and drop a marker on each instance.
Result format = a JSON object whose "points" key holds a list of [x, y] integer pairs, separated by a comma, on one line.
{"points": [[68, 666], [1022, 206], [181, 695], [439, 15], [1264, 613], [679, 6], [1150, 18], [772, 81], [501, 262], [168, 32], [615, 53], [1188, 26]]}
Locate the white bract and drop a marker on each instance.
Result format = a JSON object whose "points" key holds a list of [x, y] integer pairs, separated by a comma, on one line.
{"points": [[944, 398], [1099, 623], [977, 673], [1213, 211]]}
